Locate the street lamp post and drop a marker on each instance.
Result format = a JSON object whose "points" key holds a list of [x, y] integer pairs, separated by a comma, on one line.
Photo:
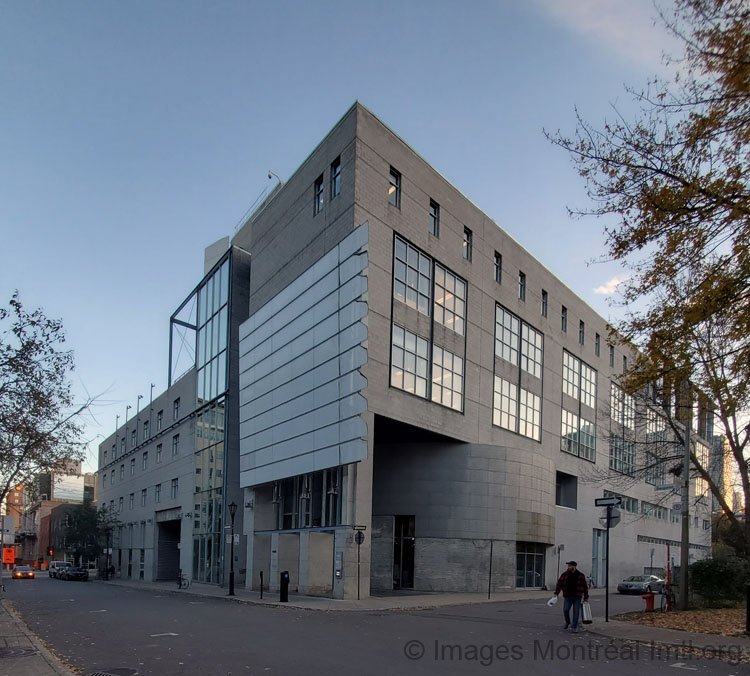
{"points": [[232, 512]]}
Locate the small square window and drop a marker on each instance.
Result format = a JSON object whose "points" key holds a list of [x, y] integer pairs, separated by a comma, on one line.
{"points": [[544, 303], [522, 286], [564, 319], [581, 332], [468, 241], [394, 189], [498, 267], [566, 490], [597, 344], [336, 177], [434, 218], [318, 197]]}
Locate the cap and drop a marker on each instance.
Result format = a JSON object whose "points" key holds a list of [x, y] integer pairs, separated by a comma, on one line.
{"points": [[571, 563]]}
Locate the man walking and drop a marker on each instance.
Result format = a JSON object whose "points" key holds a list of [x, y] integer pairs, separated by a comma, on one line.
{"points": [[574, 588]]}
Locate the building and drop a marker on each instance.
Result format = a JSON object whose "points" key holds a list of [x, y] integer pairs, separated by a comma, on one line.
{"points": [[402, 367], [41, 497]]}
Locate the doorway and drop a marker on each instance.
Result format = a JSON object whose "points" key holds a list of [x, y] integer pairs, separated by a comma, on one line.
{"points": [[168, 550], [599, 557], [403, 552]]}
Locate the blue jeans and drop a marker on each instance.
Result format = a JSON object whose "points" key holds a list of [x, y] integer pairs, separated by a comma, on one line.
{"points": [[575, 602]]}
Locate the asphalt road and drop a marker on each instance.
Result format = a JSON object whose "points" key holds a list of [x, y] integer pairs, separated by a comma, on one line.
{"points": [[99, 627]]}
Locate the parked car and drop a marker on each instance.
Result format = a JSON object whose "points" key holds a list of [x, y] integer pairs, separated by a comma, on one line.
{"points": [[641, 584], [23, 572], [56, 567], [75, 573]]}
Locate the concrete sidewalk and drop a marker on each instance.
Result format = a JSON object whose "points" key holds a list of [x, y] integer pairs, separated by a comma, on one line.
{"points": [[21, 652]]}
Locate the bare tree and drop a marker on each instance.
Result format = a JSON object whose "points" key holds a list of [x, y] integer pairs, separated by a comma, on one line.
{"points": [[40, 421]]}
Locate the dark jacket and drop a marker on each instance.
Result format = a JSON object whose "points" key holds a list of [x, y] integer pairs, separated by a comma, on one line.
{"points": [[582, 588]]}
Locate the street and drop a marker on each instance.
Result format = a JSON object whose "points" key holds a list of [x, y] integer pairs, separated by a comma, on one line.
{"points": [[97, 627]]}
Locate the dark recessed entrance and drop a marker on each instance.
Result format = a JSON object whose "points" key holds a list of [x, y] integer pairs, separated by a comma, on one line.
{"points": [[403, 552]]}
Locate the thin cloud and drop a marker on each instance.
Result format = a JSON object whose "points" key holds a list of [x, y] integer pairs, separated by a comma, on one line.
{"points": [[610, 287], [624, 28]]}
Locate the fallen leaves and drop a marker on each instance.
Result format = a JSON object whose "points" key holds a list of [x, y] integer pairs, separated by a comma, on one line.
{"points": [[724, 621]]}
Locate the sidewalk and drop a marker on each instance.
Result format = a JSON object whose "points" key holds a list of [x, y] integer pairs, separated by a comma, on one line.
{"points": [[21, 652]]}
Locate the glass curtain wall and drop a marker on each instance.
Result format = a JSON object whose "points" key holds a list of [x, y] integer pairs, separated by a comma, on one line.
{"points": [[212, 383]]}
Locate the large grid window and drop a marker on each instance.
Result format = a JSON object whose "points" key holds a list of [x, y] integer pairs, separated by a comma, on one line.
{"points": [[532, 348], [579, 380], [505, 408], [569, 432], [409, 361], [622, 407], [529, 415], [507, 330], [213, 334], [514, 337], [450, 299], [656, 438], [571, 375], [700, 484], [412, 277], [517, 409], [578, 436], [622, 455], [447, 378]]}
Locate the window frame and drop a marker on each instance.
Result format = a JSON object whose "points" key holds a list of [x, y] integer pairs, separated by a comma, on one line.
{"points": [[394, 188], [468, 244], [318, 195], [498, 267], [434, 218], [522, 286], [335, 181]]}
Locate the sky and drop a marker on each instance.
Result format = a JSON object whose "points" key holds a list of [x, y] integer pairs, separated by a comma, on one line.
{"points": [[134, 134]]}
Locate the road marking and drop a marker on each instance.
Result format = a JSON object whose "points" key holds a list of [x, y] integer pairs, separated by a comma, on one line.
{"points": [[169, 633], [682, 665], [97, 611]]}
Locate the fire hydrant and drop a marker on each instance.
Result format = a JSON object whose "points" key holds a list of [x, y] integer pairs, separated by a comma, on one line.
{"points": [[649, 602]]}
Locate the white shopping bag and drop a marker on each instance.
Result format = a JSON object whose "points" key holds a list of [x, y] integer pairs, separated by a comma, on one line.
{"points": [[552, 601], [586, 613]]}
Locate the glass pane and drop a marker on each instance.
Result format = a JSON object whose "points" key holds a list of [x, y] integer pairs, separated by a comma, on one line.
{"points": [[225, 282]]}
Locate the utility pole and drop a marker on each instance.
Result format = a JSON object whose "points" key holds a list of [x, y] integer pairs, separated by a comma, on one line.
{"points": [[685, 540]]}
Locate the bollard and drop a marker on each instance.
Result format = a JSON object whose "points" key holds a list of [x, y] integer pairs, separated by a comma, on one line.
{"points": [[284, 587]]}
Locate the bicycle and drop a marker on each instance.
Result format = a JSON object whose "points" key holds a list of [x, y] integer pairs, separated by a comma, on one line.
{"points": [[668, 600], [182, 581], [591, 582]]}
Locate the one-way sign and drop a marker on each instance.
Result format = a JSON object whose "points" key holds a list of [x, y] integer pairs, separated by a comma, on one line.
{"points": [[604, 502]]}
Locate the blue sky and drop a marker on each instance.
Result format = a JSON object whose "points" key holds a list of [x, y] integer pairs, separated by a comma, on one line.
{"points": [[133, 134]]}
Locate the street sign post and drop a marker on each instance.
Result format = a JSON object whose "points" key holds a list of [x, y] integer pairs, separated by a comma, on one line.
{"points": [[610, 519], [359, 538]]}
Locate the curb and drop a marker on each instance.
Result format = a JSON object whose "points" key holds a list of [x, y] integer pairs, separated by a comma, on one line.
{"points": [[54, 663]]}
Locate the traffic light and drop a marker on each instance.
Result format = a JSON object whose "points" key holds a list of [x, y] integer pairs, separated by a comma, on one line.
{"points": [[50, 552]]}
